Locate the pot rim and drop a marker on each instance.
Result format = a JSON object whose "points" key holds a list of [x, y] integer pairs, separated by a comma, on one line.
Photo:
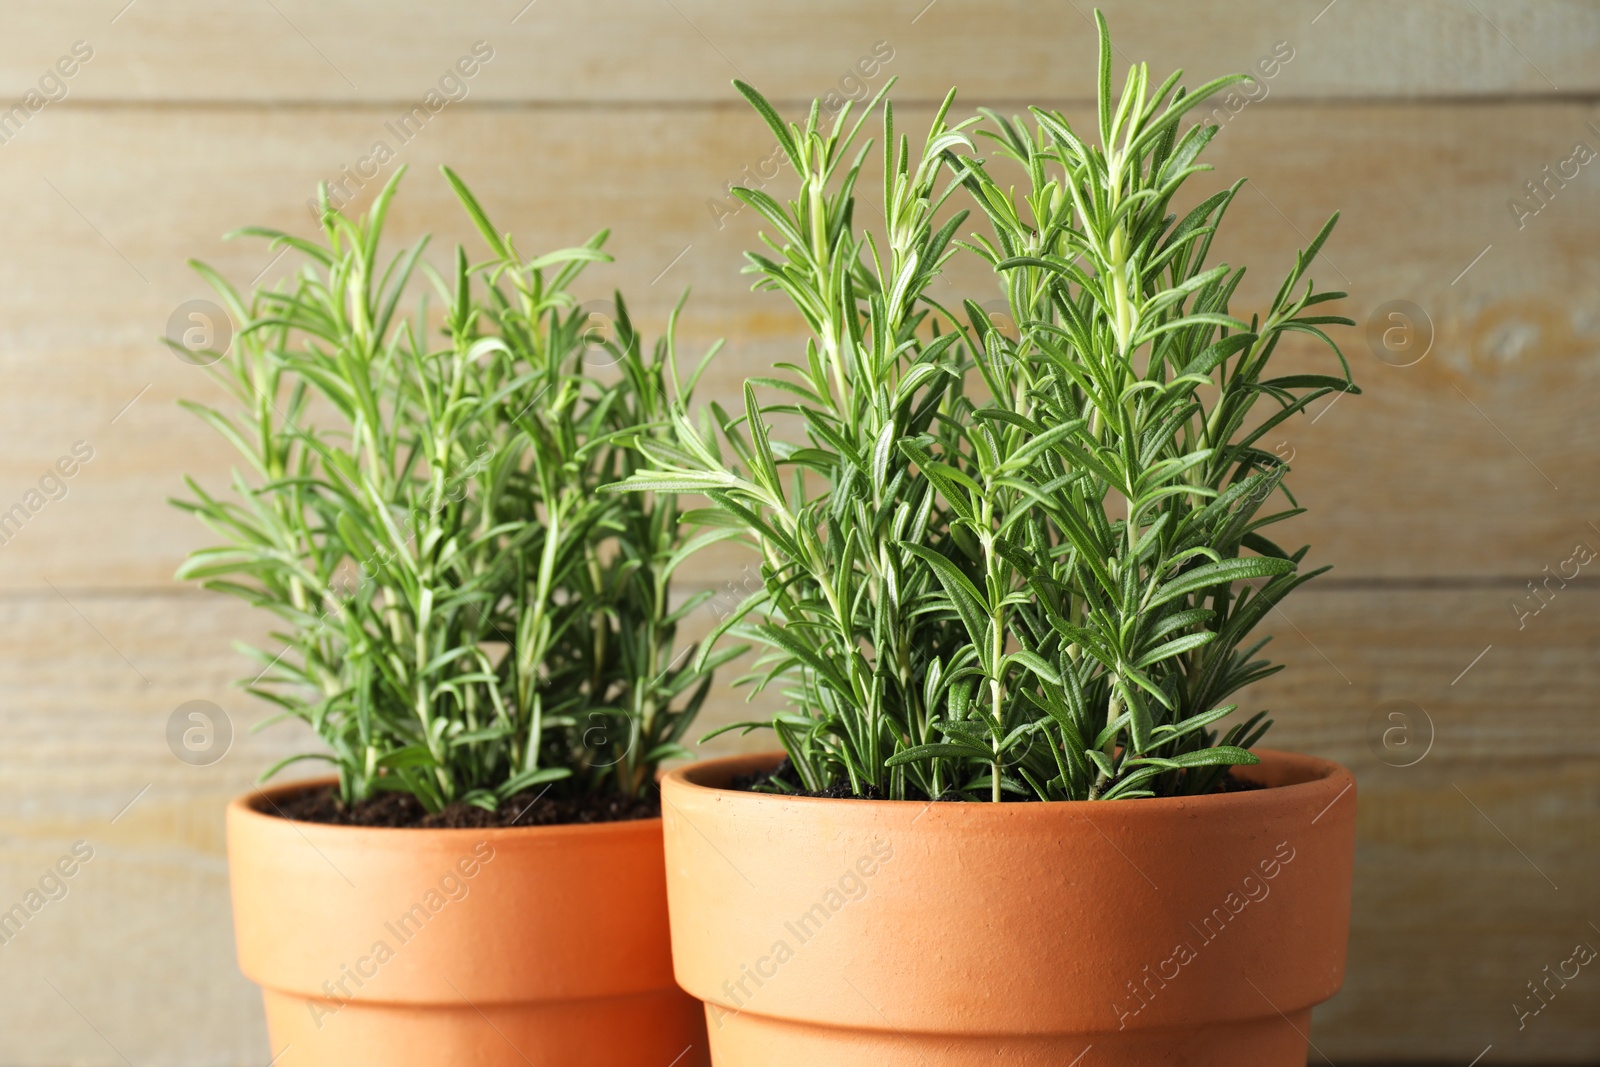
{"points": [[245, 806], [1309, 775]]}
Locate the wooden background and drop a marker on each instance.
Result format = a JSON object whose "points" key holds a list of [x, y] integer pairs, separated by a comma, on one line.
{"points": [[1438, 496]]}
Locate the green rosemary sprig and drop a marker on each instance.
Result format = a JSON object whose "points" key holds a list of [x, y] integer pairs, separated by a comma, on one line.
{"points": [[466, 617], [1041, 587]]}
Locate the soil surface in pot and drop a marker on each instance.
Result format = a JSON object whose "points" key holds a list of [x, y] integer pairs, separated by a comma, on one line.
{"points": [[528, 808], [784, 772]]}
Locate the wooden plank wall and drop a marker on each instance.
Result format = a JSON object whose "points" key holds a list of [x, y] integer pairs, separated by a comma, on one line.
{"points": [[1439, 496]]}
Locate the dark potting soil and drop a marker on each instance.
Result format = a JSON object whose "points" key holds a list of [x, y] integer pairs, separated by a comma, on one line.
{"points": [[528, 808], [784, 772]]}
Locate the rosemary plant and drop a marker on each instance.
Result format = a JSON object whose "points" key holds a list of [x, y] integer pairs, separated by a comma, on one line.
{"points": [[1024, 563], [465, 616]]}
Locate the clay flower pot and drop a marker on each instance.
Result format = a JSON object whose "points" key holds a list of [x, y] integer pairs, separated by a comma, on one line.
{"points": [[1194, 931], [439, 947]]}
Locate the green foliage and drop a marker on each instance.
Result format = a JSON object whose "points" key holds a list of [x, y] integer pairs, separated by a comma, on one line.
{"points": [[465, 615], [1022, 562]]}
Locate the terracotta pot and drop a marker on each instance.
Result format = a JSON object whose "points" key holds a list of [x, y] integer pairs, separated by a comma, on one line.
{"points": [[1125, 934], [543, 945]]}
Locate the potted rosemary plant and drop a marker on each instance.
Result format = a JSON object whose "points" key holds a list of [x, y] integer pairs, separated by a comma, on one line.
{"points": [[1010, 576], [483, 644]]}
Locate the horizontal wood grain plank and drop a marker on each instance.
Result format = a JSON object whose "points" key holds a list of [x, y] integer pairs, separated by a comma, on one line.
{"points": [[633, 50], [1475, 864], [134, 964], [1477, 754], [1470, 463], [98, 674]]}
